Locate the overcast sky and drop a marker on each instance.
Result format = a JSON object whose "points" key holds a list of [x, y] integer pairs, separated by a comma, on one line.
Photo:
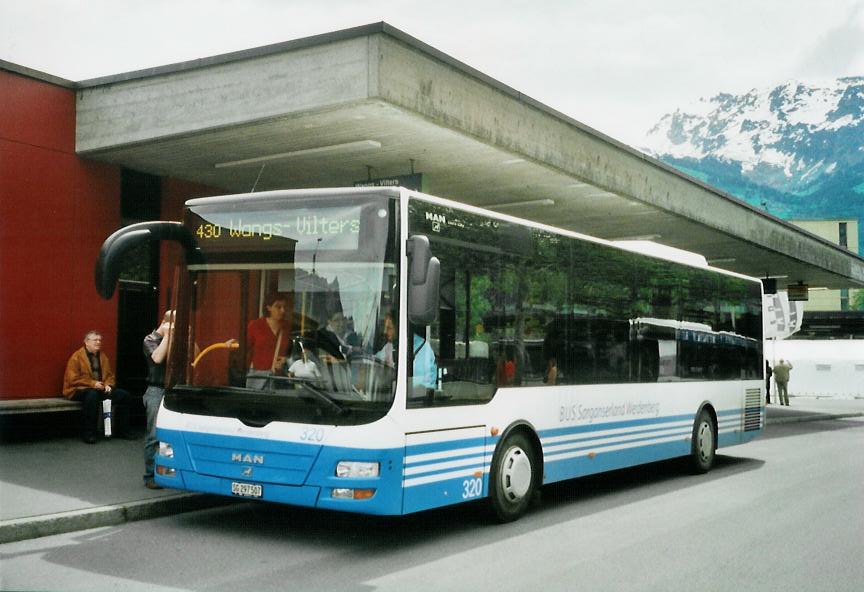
{"points": [[616, 65]]}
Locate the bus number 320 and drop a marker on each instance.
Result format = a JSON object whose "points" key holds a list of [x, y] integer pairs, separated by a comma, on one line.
{"points": [[312, 434], [472, 488]]}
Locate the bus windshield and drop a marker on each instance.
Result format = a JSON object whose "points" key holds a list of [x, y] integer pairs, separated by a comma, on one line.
{"points": [[292, 315]]}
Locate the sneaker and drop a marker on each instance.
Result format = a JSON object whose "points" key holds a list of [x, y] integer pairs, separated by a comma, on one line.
{"points": [[151, 484]]}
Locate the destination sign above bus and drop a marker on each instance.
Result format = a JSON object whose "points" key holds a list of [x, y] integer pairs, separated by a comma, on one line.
{"points": [[323, 228], [266, 232], [343, 225]]}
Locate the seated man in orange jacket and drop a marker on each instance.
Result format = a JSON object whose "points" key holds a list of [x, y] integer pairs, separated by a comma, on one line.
{"points": [[89, 379]]}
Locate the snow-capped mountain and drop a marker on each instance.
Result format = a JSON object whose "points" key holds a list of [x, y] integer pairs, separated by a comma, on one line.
{"points": [[797, 149]]}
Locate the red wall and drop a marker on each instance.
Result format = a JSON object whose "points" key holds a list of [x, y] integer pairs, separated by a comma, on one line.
{"points": [[55, 211]]}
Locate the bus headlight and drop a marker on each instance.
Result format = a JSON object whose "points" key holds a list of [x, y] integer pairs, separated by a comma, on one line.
{"points": [[166, 450], [354, 494], [350, 468], [165, 471]]}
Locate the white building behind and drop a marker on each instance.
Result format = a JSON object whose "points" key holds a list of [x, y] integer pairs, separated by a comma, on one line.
{"points": [[824, 368]]}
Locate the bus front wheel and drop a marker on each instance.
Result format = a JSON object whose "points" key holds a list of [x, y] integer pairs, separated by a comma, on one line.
{"points": [[704, 443], [513, 478]]}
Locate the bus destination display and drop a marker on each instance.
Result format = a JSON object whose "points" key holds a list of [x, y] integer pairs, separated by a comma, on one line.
{"points": [[324, 229]]}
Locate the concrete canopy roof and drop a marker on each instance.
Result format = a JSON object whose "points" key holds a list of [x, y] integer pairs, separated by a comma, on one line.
{"points": [[317, 112]]}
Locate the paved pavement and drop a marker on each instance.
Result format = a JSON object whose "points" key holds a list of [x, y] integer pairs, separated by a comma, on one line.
{"points": [[55, 485], [60, 484]]}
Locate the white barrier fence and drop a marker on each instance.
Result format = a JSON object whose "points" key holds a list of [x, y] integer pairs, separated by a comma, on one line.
{"points": [[821, 368]]}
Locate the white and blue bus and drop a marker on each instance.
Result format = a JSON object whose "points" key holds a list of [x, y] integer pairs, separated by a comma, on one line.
{"points": [[429, 353]]}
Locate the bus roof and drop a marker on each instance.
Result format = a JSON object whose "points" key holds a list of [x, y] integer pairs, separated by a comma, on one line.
{"points": [[647, 248], [265, 196]]}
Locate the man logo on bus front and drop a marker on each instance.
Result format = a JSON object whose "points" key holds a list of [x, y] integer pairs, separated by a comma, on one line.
{"points": [[250, 459], [437, 220]]}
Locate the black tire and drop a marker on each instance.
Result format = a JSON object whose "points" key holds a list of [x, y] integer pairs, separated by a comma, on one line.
{"points": [[703, 445], [513, 478]]}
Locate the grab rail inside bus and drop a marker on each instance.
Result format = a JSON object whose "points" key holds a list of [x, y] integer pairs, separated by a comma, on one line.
{"points": [[109, 262], [226, 345]]}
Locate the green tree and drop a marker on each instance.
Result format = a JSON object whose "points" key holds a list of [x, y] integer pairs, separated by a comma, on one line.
{"points": [[857, 300]]}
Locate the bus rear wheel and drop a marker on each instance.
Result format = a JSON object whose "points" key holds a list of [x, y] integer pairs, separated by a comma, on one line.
{"points": [[703, 445], [513, 478]]}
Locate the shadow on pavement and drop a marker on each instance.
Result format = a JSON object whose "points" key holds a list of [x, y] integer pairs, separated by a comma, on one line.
{"points": [[48, 475], [233, 543]]}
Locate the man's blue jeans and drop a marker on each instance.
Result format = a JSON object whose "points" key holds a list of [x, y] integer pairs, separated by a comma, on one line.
{"points": [[152, 401]]}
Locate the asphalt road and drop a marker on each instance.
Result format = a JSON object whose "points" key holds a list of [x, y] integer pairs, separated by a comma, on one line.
{"points": [[784, 512]]}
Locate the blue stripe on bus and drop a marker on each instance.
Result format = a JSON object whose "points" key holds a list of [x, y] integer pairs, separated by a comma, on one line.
{"points": [[580, 466], [653, 432], [445, 492], [435, 461], [610, 425], [738, 437], [479, 465], [445, 446], [590, 444], [596, 427], [728, 439]]}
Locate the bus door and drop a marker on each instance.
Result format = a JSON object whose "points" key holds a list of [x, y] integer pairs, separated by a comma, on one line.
{"points": [[444, 467]]}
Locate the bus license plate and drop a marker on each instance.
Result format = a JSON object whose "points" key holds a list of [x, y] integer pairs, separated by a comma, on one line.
{"points": [[246, 489]]}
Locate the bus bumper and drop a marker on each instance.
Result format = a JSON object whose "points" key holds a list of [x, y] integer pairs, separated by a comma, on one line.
{"points": [[180, 465]]}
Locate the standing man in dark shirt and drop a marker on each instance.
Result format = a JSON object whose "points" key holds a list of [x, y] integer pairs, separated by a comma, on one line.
{"points": [[156, 347], [89, 379], [781, 379]]}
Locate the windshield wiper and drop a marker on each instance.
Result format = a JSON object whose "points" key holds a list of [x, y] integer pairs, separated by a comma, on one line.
{"points": [[324, 397], [204, 389], [316, 393]]}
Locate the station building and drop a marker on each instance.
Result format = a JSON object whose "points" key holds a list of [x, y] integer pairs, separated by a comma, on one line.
{"points": [[79, 159], [845, 234]]}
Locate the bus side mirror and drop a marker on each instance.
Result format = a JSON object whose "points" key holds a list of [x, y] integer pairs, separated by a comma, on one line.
{"points": [[424, 275], [109, 262]]}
